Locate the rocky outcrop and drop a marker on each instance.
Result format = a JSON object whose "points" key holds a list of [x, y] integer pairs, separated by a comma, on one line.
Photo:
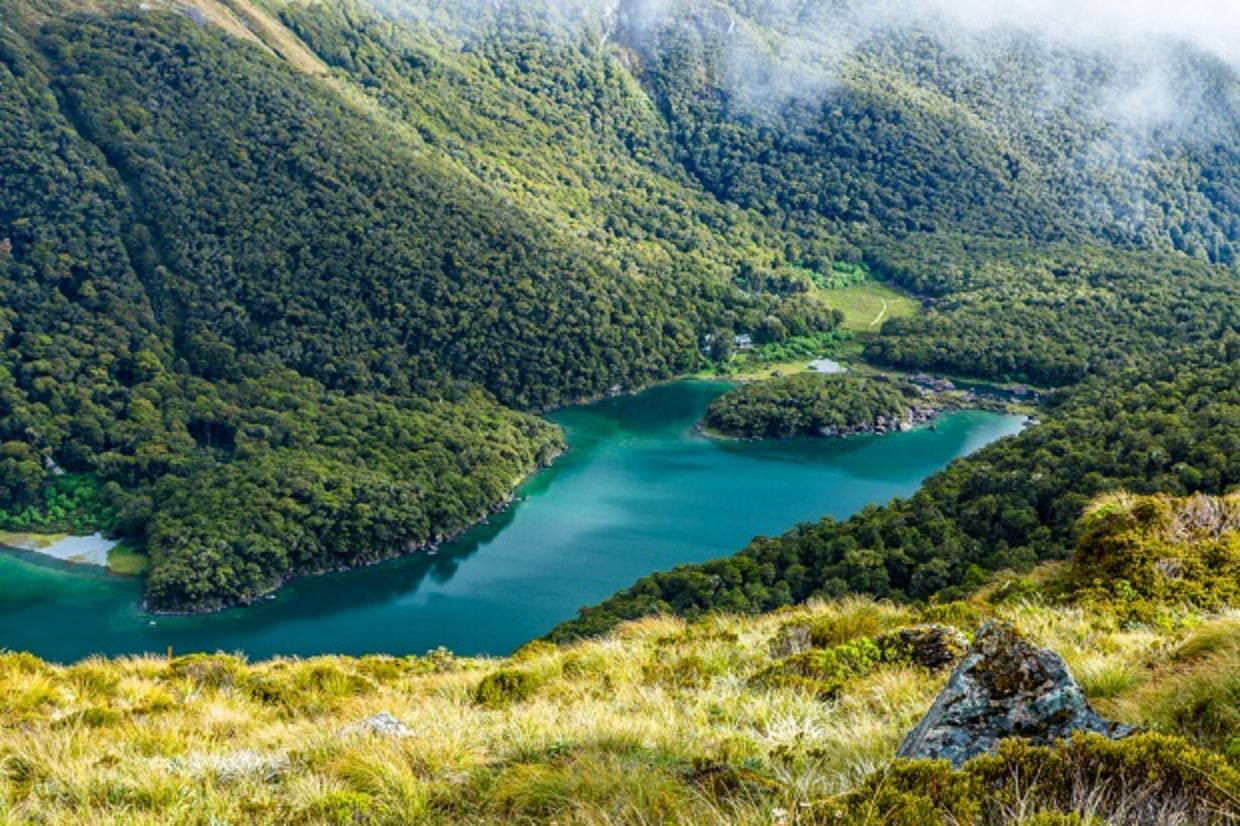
{"points": [[791, 640], [884, 424], [1004, 687]]}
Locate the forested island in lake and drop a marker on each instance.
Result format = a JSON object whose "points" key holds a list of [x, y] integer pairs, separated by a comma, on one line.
{"points": [[291, 287], [813, 404]]}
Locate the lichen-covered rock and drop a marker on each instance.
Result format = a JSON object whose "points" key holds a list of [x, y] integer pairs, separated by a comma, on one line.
{"points": [[931, 646], [1004, 687]]}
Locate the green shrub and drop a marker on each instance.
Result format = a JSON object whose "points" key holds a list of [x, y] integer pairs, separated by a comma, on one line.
{"points": [[958, 613], [533, 650], [824, 671], [505, 687], [860, 620], [1138, 554]]}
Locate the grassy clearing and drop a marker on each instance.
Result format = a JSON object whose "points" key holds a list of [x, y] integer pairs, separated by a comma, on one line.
{"points": [[744, 369], [126, 561], [867, 305], [276, 36], [662, 722]]}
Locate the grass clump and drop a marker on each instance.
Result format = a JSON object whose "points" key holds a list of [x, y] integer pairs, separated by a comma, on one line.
{"points": [[1144, 780], [504, 687], [850, 619], [124, 560]]}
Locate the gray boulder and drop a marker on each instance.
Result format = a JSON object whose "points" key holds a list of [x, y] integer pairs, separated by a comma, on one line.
{"points": [[1004, 687]]}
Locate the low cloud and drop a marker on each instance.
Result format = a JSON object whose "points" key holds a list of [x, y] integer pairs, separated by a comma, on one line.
{"points": [[1211, 25]]}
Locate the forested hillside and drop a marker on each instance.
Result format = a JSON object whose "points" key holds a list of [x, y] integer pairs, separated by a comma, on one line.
{"points": [[239, 299], [905, 120]]}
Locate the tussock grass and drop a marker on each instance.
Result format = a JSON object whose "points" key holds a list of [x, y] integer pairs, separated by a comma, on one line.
{"points": [[662, 722]]}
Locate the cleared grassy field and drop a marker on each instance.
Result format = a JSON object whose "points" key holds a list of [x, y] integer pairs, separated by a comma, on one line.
{"points": [[866, 306]]}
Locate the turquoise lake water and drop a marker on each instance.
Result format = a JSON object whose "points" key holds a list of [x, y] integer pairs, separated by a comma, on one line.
{"points": [[639, 491]]}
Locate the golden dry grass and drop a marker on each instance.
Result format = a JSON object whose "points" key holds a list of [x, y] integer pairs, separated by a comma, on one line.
{"points": [[662, 722]]}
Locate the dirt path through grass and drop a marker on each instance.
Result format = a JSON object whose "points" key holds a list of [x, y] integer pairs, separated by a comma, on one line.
{"points": [[880, 315]]}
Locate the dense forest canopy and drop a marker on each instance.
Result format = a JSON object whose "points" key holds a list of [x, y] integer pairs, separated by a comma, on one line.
{"points": [[282, 281]]}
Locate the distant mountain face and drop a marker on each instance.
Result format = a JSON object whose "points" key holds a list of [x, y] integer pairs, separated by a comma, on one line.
{"points": [[906, 116], [916, 123]]}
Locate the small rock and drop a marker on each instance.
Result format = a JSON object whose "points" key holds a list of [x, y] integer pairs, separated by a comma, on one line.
{"points": [[1170, 568], [931, 646], [1004, 687], [791, 640], [383, 724]]}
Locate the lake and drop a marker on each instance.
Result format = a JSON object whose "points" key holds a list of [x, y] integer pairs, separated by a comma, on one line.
{"points": [[639, 491]]}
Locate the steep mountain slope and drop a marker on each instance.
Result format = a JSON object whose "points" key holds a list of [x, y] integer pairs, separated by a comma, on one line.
{"points": [[287, 229], [904, 117], [964, 155]]}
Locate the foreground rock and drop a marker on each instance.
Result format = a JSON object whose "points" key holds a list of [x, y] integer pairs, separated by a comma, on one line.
{"points": [[1004, 687]]}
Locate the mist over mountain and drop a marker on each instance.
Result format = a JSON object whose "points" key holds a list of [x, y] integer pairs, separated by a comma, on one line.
{"points": [[1083, 120]]}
